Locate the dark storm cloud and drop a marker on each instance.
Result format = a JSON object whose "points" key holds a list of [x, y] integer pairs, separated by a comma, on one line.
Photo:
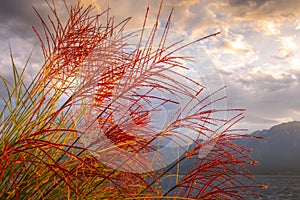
{"points": [[16, 21], [17, 17], [249, 3], [263, 81], [264, 9], [20, 10]]}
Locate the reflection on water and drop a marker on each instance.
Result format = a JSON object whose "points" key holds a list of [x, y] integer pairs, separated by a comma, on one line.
{"points": [[280, 187]]}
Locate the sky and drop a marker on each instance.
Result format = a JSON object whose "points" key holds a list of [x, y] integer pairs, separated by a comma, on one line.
{"points": [[257, 52]]}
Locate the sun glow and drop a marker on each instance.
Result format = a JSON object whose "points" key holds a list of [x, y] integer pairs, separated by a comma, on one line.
{"points": [[239, 44], [288, 42]]}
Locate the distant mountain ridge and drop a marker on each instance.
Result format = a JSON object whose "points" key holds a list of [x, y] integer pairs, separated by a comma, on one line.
{"points": [[278, 152]]}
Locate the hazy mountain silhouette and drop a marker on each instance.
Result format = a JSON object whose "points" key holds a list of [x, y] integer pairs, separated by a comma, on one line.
{"points": [[278, 152]]}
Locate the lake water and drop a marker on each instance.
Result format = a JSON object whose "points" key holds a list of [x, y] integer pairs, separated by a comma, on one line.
{"points": [[280, 187]]}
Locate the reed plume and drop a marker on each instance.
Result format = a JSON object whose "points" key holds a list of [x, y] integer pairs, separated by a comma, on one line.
{"points": [[83, 126]]}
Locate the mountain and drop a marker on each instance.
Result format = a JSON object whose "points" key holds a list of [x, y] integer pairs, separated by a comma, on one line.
{"points": [[278, 152]]}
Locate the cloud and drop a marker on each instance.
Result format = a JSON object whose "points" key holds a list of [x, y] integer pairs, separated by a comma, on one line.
{"points": [[17, 17], [262, 81], [16, 21], [265, 107], [264, 9], [268, 27], [236, 46], [288, 45], [266, 16]]}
